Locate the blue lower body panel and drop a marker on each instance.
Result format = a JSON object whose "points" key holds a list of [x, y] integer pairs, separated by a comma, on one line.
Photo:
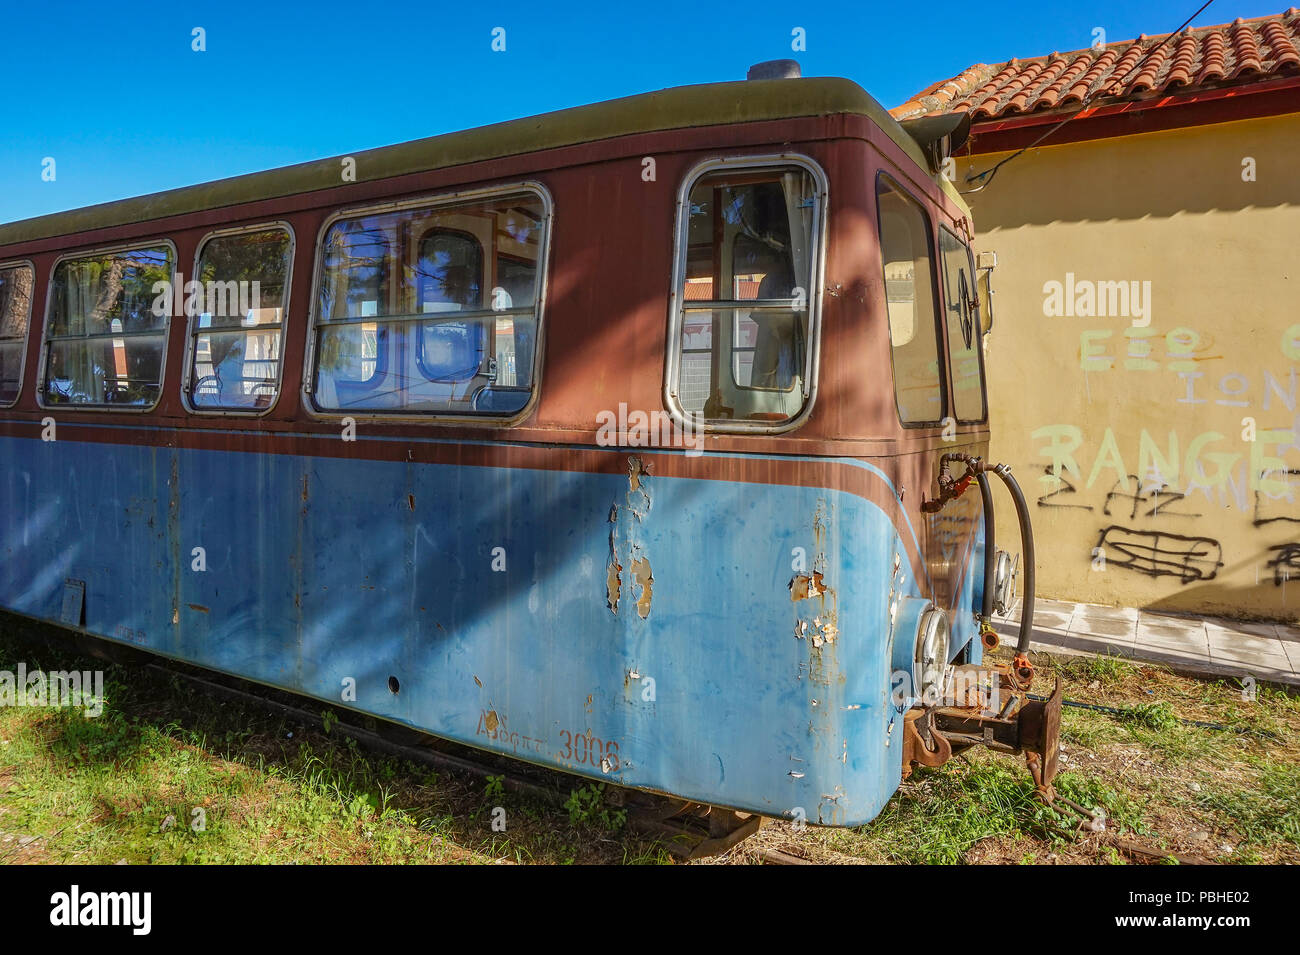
{"points": [[636, 629]]}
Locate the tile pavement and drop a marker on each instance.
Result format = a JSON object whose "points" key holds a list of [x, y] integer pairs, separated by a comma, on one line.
{"points": [[1203, 646]]}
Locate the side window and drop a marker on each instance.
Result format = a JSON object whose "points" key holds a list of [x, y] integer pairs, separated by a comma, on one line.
{"points": [[431, 309], [747, 293], [962, 319], [106, 331], [909, 297], [16, 283], [236, 340]]}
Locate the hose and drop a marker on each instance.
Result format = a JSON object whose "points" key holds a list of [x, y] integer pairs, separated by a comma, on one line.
{"points": [[950, 489], [1027, 556], [990, 549]]}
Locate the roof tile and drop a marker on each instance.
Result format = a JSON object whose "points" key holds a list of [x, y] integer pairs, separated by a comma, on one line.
{"points": [[1244, 51]]}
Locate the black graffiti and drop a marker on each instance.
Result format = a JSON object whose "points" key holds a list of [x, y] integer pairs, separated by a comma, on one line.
{"points": [[1261, 521], [1286, 565], [1157, 554], [1159, 496], [1067, 488]]}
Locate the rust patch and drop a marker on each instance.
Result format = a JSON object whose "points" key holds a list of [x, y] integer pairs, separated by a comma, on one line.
{"points": [[635, 469], [491, 721], [199, 607], [644, 577], [588, 706], [821, 520], [638, 488], [410, 501], [478, 682], [804, 586], [613, 581]]}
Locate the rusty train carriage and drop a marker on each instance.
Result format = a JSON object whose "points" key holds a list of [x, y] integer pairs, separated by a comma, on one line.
{"points": [[388, 470]]}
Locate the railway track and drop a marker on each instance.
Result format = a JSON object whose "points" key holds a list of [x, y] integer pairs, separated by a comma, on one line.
{"points": [[688, 830]]}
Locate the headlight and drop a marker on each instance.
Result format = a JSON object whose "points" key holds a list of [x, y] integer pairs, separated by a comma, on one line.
{"points": [[1005, 572], [932, 642]]}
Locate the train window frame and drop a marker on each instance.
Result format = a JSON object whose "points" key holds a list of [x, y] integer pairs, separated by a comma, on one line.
{"points": [[166, 331], [192, 331], [977, 330], [529, 187], [677, 293], [941, 343], [27, 331]]}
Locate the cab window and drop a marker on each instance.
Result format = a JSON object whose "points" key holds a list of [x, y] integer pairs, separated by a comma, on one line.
{"points": [[962, 323]]}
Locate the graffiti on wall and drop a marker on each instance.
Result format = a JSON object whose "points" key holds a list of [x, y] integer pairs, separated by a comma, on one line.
{"points": [[1150, 490]]}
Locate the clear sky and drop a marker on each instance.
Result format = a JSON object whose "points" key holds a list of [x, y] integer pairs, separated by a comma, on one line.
{"points": [[116, 95]]}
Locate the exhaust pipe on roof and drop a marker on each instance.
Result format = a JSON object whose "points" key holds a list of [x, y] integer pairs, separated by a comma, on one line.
{"points": [[774, 70]]}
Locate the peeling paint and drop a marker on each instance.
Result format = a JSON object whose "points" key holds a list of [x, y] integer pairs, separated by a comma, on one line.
{"points": [[643, 577], [491, 721], [613, 569], [804, 586], [635, 469], [613, 581], [638, 487]]}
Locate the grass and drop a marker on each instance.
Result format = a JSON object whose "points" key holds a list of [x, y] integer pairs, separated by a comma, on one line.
{"points": [[166, 775]]}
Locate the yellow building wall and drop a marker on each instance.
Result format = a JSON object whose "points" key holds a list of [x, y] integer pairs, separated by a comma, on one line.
{"points": [[1158, 447]]}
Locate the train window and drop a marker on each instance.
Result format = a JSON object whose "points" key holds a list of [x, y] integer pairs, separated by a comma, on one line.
{"points": [[236, 339], [910, 300], [106, 329], [16, 283], [747, 265], [431, 309], [961, 314]]}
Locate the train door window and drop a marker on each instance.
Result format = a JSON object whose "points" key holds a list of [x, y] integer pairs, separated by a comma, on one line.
{"points": [[16, 282], [910, 300], [962, 321], [431, 308], [748, 246], [106, 328], [450, 278], [237, 324], [356, 263]]}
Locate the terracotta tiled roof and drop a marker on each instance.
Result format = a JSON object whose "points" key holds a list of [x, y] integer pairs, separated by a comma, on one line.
{"points": [[1236, 53]]}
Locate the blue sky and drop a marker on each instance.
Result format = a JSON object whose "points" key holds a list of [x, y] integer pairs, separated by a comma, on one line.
{"points": [[126, 107]]}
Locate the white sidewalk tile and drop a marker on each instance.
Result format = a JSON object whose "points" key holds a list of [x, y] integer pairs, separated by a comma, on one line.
{"points": [[1215, 647]]}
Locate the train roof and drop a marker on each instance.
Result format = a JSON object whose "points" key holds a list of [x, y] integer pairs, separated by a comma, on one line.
{"points": [[711, 104]]}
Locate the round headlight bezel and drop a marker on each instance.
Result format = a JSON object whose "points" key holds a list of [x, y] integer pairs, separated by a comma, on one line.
{"points": [[933, 644]]}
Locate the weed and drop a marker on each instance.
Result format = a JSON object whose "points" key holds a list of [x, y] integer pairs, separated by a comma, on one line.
{"points": [[586, 806]]}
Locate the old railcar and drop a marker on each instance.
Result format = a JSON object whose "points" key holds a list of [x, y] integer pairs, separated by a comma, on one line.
{"points": [[608, 439]]}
